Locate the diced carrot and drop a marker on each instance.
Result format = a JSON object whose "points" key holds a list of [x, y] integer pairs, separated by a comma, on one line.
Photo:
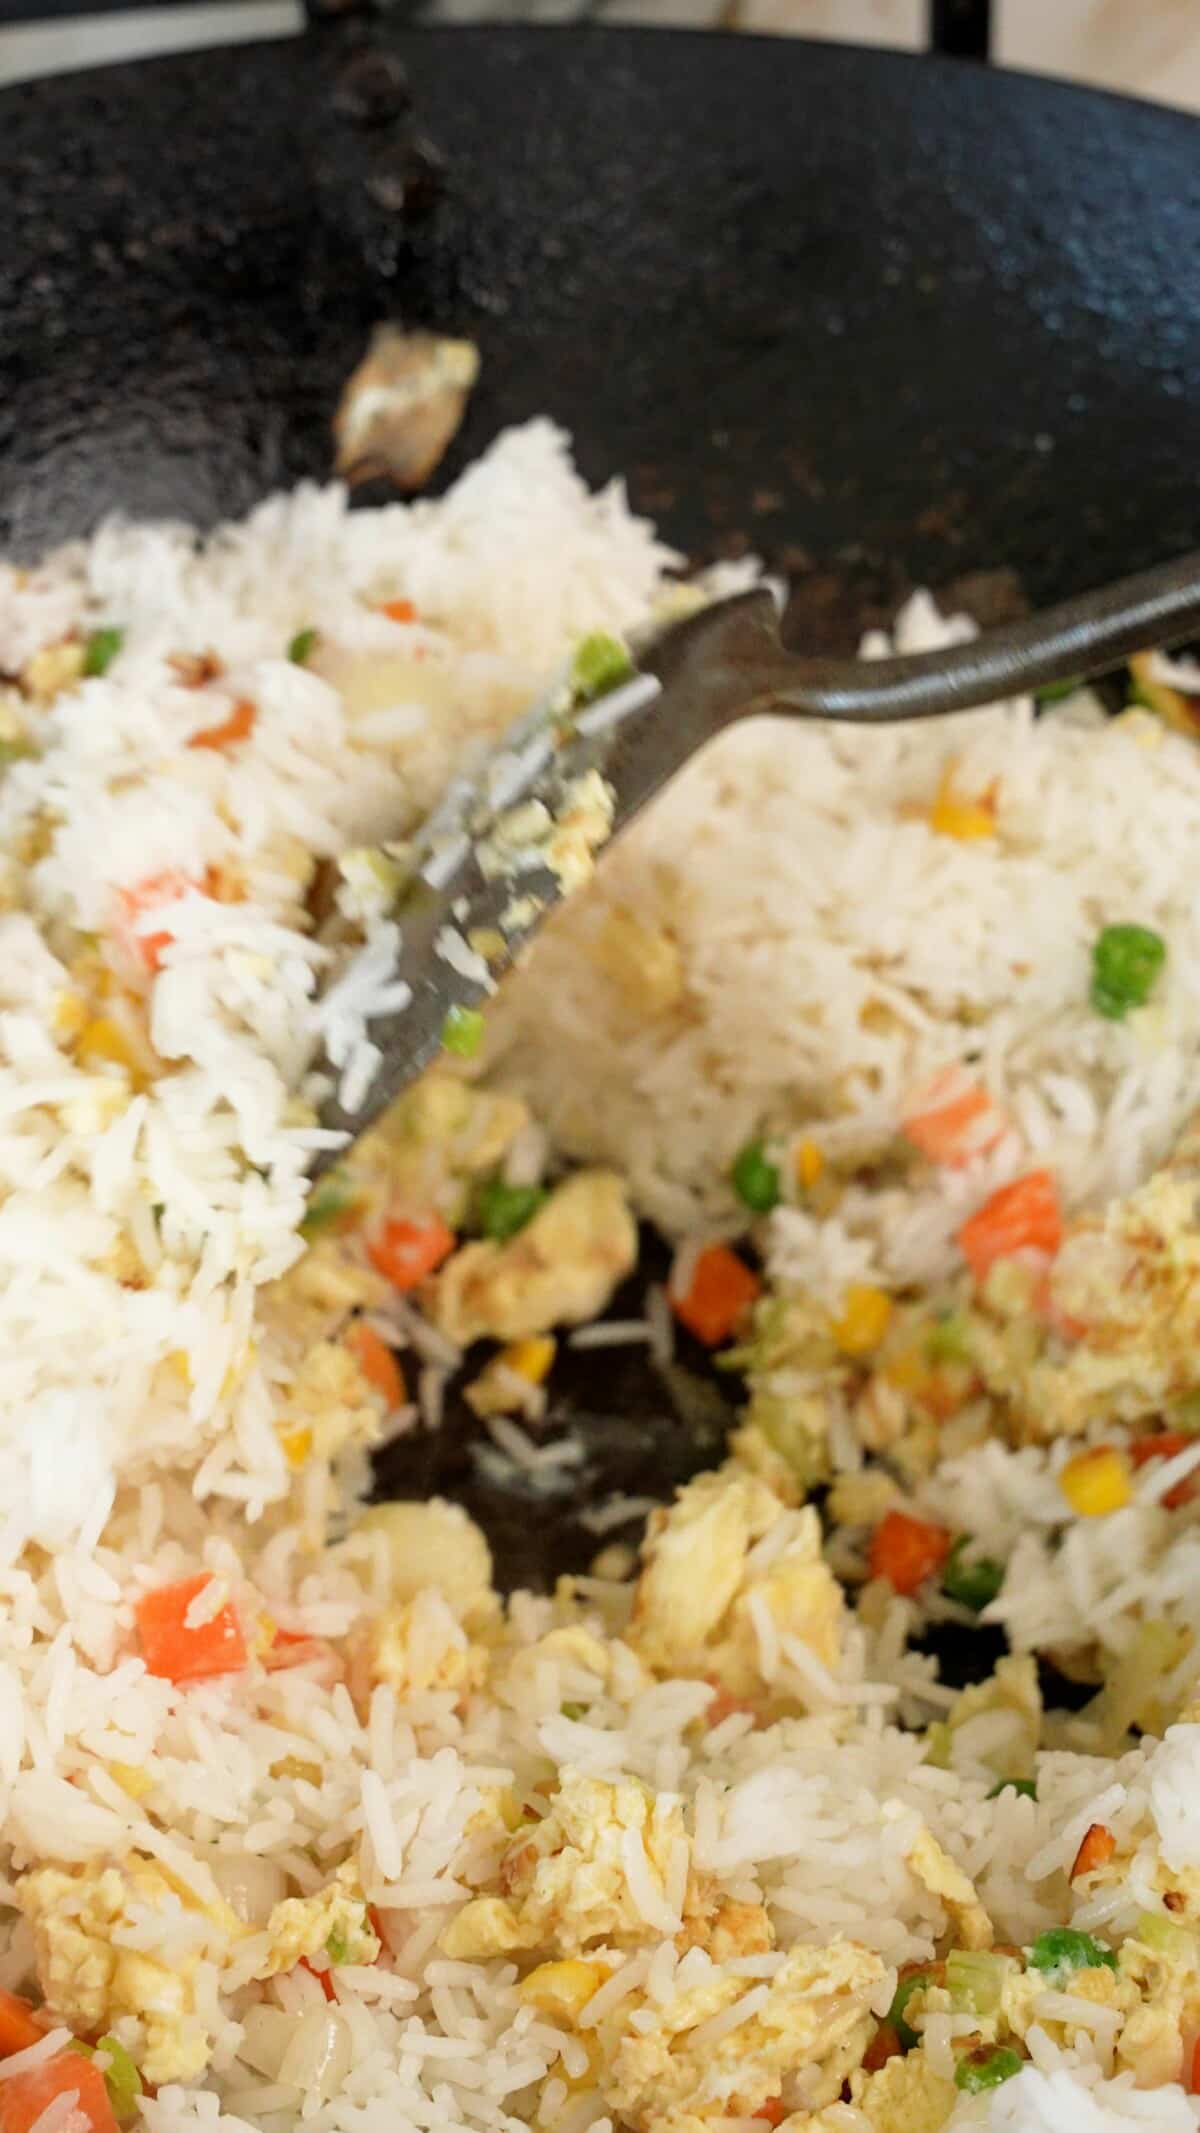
{"points": [[177, 1652], [145, 896], [721, 1291], [1164, 1446], [399, 611], [907, 1550], [1020, 1217], [774, 2111], [404, 1252], [237, 727], [323, 1977], [1194, 2083], [376, 1361], [1097, 1849], [884, 2045], [23, 2097], [19, 2026], [952, 1119]]}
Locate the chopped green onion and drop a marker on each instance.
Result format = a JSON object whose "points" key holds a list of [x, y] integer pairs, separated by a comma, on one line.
{"points": [[975, 1982], [501, 1210], [981, 2071], [302, 646], [1126, 960], [946, 1340], [755, 1179], [334, 1196], [1025, 1786], [337, 1947], [121, 2079], [462, 1031], [573, 1710], [1053, 692], [101, 649], [973, 1584], [1064, 1949], [908, 2037], [601, 663]]}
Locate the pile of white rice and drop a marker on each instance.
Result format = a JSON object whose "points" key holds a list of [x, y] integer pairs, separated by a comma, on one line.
{"points": [[834, 952]]}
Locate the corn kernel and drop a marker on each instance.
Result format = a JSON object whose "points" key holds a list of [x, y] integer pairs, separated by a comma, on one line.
{"points": [[133, 1782], [297, 1444], [809, 1163], [69, 1015], [866, 1313], [562, 1988], [531, 1359], [263, 1634], [965, 819], [907, 1370], [104, 1039], [1095, 1483]]}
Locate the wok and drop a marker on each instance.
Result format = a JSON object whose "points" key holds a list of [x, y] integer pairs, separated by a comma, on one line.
{"points": [[884, 320]]}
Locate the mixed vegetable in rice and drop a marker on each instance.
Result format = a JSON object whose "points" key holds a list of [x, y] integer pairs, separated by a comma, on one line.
{"points": [[857, 1792]]}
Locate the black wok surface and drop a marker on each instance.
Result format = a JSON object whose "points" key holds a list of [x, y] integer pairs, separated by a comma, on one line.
{"points": [[885, 320]]}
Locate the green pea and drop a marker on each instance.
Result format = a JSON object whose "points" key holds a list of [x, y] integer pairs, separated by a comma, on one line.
{"points": [[101, 649], [601, 663], [462, 1031], [981, 2071], [908, 2037], [302, 646], [1063, 1949], [501, 1210], [973, 1584], [1126, 960], [755, 1179]]}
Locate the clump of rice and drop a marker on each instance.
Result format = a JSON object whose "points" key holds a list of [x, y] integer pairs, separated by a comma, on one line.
{"points": [[835, 951]]}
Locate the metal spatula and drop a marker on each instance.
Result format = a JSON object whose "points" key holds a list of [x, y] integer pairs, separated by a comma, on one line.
{"points": [[478, 892]]}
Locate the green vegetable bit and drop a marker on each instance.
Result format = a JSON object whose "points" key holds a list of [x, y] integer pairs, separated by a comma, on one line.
{"points": [[573, 1710], [332, 1199], [1126, 960], [908, 2037], [1064, 1949], [975, 1981], [601, 663], [755, 1179], [1025, 1786], [121, 2079], [501, 1210], [302, 646], [987, 2070], [973, 1584], [946, 1340], [462, 1031], [101, 649], [1053, 692], [337, 1947]]}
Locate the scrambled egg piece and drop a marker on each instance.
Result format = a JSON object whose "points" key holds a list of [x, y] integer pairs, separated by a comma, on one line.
{"points": [[1013, 1689], [943, 1879], [421, 1646], [565, 1880], [812, 2027], [905, 2096], [91, 1980], [441, 1130], [559, 1270], [694, 1607], [329, 1403], [435, 1544], [335, 1920]]}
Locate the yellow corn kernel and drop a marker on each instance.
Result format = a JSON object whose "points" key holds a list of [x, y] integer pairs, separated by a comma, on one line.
{"points": [[262, 1636], [68, 1016], [180, 1366], [297, 1444], [809, 1163], [531, 1359], [964, 819], [133, 1782], [907, 1370], [1095, 1483], [866, 1313], [562, 1988], [102, 1039]]}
